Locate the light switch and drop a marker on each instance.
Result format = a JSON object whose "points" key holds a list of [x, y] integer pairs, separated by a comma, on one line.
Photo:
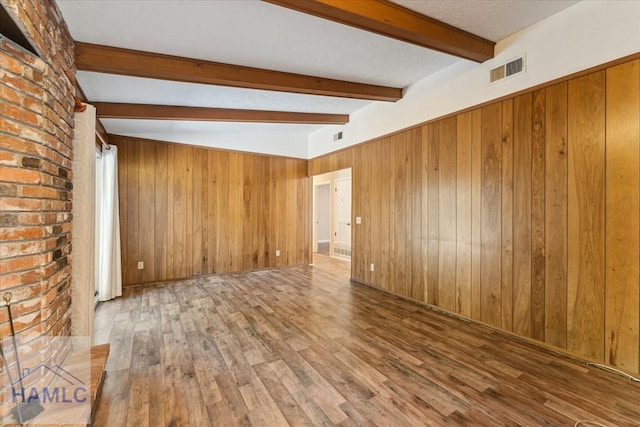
{"points": [[358, 220]]}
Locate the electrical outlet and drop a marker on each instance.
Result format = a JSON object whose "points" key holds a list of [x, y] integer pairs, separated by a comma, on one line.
{"points": [[277, 252], [371, 267], [140, 265], [358, 220]]}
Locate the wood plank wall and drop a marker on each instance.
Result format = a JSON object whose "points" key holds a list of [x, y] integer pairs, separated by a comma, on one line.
{"points": [[187, 211], [523, 213]]}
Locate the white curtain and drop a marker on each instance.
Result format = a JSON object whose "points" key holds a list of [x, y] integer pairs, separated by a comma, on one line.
{"points": [[110, 269]]}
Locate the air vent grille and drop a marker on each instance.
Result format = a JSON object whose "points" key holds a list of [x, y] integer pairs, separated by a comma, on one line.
{"points": [[515, 67], [337, 136], [509, 69]]}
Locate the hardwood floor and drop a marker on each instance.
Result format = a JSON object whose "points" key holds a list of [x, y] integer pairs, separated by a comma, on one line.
{"points": [[304, 346]]}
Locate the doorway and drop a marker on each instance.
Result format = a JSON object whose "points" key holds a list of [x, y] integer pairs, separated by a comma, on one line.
{"points": [[332, 214]]}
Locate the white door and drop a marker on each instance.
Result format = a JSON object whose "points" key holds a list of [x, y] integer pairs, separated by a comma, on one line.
{"points": [[342, 213]]}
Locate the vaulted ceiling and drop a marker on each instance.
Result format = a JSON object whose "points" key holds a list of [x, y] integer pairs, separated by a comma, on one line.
{"points": [[216, 73]]}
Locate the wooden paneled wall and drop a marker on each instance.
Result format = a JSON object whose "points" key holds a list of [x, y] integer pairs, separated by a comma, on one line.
{"points": [[523, 213], [187, 211]]}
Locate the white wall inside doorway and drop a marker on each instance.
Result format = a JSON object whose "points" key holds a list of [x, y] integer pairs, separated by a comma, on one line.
{"points": [[322, 212]]}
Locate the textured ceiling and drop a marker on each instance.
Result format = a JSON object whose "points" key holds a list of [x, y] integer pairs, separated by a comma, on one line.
{"points": [[251, 33], [113, 88], [258, 34], [492, 19]]}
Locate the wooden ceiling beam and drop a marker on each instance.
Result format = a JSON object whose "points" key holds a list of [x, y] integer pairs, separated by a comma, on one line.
{"points": [[392, 20], [107, 110], [113, 60]]}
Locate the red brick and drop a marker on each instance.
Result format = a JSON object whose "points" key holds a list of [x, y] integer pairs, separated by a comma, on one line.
{"points": [[27, 321], [32, 104], [27, 306], [30, 233], [55, 205], [30, 133], [49, 218], [19, 204], [19, 264], [63, 217], [20, 114], [9, 158], [30, 219], [49, 296], [5, 330], [11, 111], [8, 281], [8, 219], [9, 250], [53, 143], [18, 144], [20, 84], [31, 333], [16, 52], [10, 64], [50, 168], [48, 180], [31, 118], [27, 176], [50, 244], [53, 273], [28, 128], [8, 94], [30, 276], [46, 152], [10, 190], [38, 191], [9, 126], [25, 292]]}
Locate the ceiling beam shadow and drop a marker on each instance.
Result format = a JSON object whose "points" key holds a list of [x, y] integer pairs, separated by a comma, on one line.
{"points": [[113, 60], [108, 110], [392, 20]]}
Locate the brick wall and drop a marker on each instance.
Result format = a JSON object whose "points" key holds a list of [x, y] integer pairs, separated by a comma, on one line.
{"points": [[36, 132]]}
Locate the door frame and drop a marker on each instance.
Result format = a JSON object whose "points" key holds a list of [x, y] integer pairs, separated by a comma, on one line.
{"points": [[322, 179], [334, 216]]}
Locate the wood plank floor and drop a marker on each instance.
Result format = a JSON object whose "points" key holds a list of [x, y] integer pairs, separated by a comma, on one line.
{"points": [[304, 346]]}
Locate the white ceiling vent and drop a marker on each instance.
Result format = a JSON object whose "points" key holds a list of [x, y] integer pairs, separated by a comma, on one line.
{"points": [[507, 70], [337, 136]]}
